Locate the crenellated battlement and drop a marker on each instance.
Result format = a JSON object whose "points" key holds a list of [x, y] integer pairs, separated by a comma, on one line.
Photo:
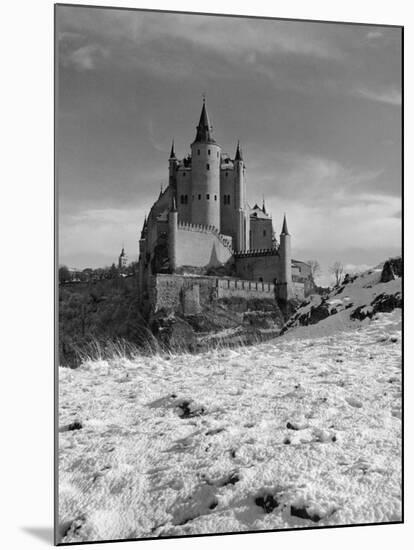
{"points": [[256, 253]]}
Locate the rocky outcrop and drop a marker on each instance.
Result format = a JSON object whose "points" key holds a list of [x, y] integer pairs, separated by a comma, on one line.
{"points": [[382, 303], [173, 332], [393, 268]]}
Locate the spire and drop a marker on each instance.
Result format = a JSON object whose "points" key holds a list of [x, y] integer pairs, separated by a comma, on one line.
{"points": [[204, 128], [161, 191], [264, 206], [284, 227], [144, 228], [172, 154], [239, 155]]}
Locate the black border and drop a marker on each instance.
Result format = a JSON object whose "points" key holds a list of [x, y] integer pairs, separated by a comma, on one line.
{"points": [[56, 280]]}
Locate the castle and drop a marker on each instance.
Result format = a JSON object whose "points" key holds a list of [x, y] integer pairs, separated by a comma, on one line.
{"points": [[202, 240]]}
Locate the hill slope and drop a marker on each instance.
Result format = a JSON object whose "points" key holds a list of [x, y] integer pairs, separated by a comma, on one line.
{"points": [[300, 431], [359, 298]]}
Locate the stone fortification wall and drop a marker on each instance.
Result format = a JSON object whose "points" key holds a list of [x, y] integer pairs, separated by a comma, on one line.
{"points": [[188, 293], [258, 265], [201, 246], [228, 288]]}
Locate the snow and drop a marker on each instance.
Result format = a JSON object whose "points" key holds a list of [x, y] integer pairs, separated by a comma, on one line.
{"points": [[303, 430], [360, 293]]}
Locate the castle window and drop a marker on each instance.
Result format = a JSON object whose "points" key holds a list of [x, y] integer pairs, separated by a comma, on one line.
{"points": [[208, 197], [227, 174], [183, 173], [217, 154], [181, 199], [215, 197], [228, 199], [198, 151], [208, 167], [264, 232], [199, 197], [209, 151], [185, 199]]}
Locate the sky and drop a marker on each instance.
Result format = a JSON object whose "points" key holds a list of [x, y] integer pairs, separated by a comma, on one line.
{"points": [[316, 107]]}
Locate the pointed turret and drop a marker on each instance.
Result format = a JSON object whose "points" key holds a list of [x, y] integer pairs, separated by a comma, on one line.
{"points": [[204, 128], [172, 154], [239, 155], [144, 228], [284, 226], [285, 271], [264, 206]]}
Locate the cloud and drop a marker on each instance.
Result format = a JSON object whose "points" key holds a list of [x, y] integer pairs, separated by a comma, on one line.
{"points": [[99, 234], [313, 180], [371, 35], [85, 58], [390, 97]]}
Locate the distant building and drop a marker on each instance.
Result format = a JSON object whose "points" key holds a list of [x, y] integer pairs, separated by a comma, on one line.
{"points": [[122, 260]]}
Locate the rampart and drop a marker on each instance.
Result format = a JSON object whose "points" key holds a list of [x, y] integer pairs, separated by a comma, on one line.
{"points": [[188, 293]]}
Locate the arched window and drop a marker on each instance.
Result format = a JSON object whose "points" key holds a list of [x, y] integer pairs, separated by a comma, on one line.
{"points": [[215, 197], [185, 199], [199, 197], [208, 197], [264, 232], [208, 167], [198, 151], [183, 173], [209, 152]]}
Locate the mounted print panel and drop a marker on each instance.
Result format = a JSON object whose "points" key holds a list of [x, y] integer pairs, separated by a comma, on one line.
{"points": [[229, 271]]}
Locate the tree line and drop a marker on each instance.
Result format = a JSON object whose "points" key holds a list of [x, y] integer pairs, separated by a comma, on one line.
{"points": [[88, 274]]}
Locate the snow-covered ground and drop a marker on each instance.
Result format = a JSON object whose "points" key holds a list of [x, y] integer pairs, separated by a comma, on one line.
{"points": [[304, 430]]}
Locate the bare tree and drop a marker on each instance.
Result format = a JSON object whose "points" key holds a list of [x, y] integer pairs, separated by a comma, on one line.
{"points": [[315, 268], [337, 269]]}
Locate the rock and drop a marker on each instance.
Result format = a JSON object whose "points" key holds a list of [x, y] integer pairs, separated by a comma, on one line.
{"points": [[267, 502], [387, 302], [173, 333], [393, 268]]}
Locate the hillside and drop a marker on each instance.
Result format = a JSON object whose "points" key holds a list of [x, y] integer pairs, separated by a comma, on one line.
{"points": [[358, 298], [300, 431]]}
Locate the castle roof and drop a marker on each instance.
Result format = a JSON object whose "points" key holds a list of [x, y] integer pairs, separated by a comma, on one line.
{"points": [[257, 212], [239, 155], [284, 227], [204, 128], [172, 154]]}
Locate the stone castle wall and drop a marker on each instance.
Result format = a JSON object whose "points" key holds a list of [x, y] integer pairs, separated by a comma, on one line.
{"points": [[201, 246], [259, 264], [189, 293]]}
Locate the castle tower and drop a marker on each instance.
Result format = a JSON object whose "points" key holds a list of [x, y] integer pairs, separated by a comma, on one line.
{"points": [[205, 160], [122, 260], [172, 170], [242, 218], [285, 275], [141, 258], [172, 236]]}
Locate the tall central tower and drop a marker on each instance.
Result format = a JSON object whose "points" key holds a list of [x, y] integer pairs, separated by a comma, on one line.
{"points": [[205, 164]]}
